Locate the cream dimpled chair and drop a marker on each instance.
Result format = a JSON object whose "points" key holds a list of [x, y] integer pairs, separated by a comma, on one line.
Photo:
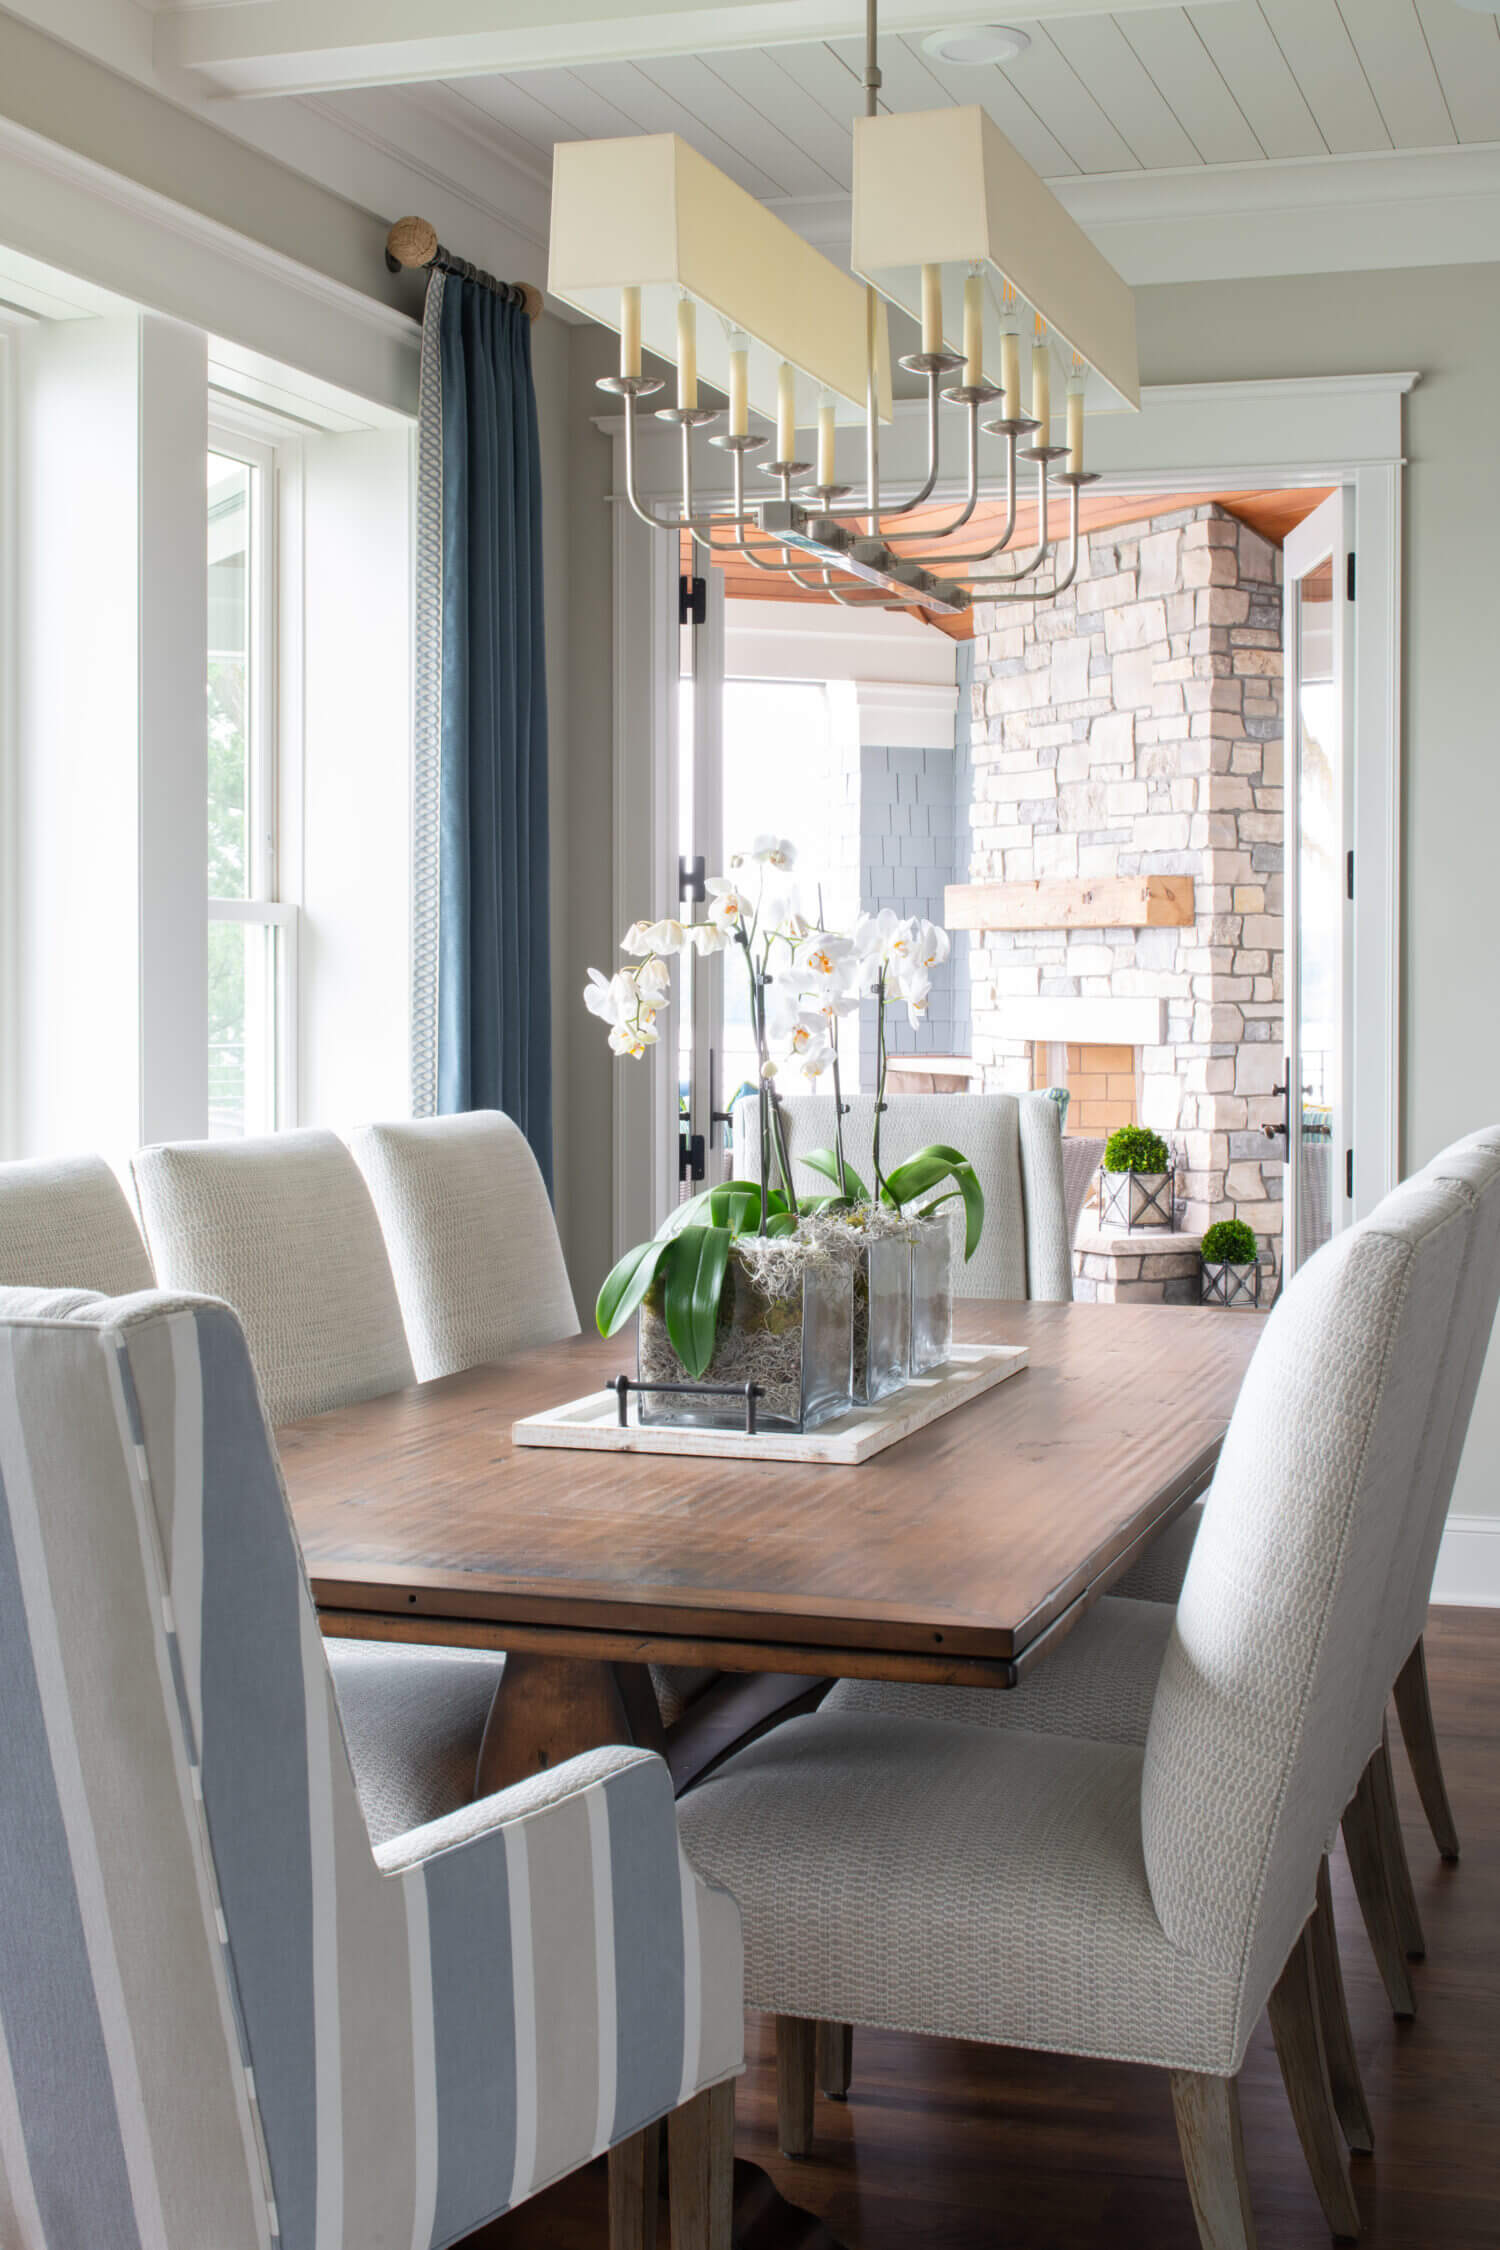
{"points": [[473, 1244], [1141, 1901], [283, 1229], [65, 1224], [227, 2020]]}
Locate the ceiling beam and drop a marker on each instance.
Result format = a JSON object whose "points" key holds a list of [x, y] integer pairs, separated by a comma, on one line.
{"points": [[246, 47]]}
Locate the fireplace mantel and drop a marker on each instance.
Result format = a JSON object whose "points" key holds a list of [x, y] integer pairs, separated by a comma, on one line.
{"points": [[1106, 902]]}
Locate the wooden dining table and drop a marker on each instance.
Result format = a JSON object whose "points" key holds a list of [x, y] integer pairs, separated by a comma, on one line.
{"points": [[964, 1554]]}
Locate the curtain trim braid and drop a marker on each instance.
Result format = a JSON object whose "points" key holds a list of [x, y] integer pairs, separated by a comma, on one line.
{"points": [[428, 713]]}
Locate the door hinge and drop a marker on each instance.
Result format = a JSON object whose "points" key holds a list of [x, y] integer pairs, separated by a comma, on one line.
{"points": [[1349, 575], [1349, 1173], [1349, 877], [692, 601], [691, 1161], [692, 880]]}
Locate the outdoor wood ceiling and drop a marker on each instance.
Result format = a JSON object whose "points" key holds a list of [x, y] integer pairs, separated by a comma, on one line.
{"points": [[1273, 514]]}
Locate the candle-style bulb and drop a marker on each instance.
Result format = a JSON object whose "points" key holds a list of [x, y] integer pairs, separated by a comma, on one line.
{"points": [[1076, 383], [1041, 382], [932, 308], [687, 352], [1010, 358], [973, 329], [825, 440], [739, 384], [786, 412], [630, 333]]}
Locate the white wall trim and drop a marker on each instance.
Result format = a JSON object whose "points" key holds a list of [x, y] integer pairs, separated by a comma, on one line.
{"points": [[79, 216], [1377, 210], [906, 715], [1468, 1564]]}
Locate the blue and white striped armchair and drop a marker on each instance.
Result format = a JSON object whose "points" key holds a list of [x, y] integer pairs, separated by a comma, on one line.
{"points": [[226, 2017]]}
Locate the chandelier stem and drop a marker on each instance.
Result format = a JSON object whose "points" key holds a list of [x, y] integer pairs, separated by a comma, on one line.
{"points": [[971, 498], [986, 554]]}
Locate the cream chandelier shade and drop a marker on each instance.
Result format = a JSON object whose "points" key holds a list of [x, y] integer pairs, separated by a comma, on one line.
{"points": [[944, 187], [651, 213]]}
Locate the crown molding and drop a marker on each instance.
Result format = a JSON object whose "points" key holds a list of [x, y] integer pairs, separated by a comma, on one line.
{"points": [[1227, 222]]}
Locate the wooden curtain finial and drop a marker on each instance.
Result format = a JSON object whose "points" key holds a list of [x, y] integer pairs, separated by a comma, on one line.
{"points": [[412, 242], [533, 296]]}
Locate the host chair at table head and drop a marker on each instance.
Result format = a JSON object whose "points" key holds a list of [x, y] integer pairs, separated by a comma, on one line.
{"points": [[1136, 1900], [473, 1244], [1013, 1141], [283, 1229], [228, 2020]]}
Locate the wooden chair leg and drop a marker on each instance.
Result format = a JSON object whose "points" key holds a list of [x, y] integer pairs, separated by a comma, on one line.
{"points": [[1414, 1710], [1213, 2157], [1333, 2014], [1304, 2069], [1367, 1864], [634, 2190], [700, 2165], [835, 2059], [796, 2056], [1393, 1849]]}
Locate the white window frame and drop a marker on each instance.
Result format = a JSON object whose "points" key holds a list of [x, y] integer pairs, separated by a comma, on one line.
{"points": [[241, 433]]}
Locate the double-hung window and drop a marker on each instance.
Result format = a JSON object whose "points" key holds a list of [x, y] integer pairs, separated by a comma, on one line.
{"points": [[252, 931]]}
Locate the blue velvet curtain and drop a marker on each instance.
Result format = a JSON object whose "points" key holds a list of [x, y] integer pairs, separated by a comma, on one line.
{"points": [[481, 1000]]}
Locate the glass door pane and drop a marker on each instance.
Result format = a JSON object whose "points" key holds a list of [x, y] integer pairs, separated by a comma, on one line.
{"points": [[1319, 803]]}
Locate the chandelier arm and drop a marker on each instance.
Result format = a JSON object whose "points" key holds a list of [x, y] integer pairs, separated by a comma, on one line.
{"points": [[1029, 569], [1059, 585], [870, 506], [783, 569], [962, 563], [971, 498]]}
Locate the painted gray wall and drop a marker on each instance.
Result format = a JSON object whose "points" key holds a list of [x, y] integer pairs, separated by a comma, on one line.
{"points": [[908, 854]]}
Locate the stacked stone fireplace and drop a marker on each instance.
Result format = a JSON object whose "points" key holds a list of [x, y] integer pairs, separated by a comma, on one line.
{"points": [[1134, 728]]}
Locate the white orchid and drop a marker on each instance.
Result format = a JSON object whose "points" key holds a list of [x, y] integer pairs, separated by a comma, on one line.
{"points": [[707, 937], [653, 981], [610, 998], [637, 939], [768, 851], [816, 1060], [729, 911], [634, 1039]]}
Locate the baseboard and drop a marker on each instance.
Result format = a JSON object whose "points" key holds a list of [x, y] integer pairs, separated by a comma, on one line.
{"points": [[1468, 1567]]}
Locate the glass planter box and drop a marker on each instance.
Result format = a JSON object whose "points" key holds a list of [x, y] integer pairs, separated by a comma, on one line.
{"points": [[934, 1245], [787, 1327], [882, 1319]]}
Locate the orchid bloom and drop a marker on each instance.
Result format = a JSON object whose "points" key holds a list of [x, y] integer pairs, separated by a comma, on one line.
{"points": [[769, 851], [728, 909], [707, 937]]}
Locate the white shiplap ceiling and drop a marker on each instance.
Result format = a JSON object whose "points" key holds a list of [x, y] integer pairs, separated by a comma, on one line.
{"points": [[1239, 82]]}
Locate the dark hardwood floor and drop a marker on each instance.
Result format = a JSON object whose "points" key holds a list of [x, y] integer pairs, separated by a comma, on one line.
{"points": [[981, 2148]]}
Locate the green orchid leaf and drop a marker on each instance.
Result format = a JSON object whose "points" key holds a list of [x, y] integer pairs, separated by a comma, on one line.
{"points": [[626, 1284], [736, 1205], [826, 1161], [927, 1170], [784, 1222], [694, 1283], [816, 1206], [691, 1213]]}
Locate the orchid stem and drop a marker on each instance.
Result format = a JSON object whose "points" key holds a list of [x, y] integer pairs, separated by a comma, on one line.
{"points": [[880, 1055]]}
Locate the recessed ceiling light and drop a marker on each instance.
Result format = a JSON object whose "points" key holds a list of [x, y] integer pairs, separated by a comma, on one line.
{"points": [[978, 43]]}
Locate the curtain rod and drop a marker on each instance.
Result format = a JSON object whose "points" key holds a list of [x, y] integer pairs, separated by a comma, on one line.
{"points": [[414, 243]]}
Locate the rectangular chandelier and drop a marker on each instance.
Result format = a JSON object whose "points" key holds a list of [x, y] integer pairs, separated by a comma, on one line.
{"points": [[645, 227], [953, 225]]}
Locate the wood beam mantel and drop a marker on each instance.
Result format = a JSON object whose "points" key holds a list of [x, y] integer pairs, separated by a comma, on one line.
{"points": [[1108, 902]]}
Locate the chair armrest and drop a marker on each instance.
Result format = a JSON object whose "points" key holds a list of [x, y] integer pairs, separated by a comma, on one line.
{"points": [[537, 1794]]}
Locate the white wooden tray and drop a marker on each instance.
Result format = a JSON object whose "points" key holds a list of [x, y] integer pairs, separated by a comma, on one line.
{"points": [[592, 1424]]}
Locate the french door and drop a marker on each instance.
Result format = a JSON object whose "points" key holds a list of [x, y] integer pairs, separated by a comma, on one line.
{"points": [[1318, 1081], [703, 1095]]}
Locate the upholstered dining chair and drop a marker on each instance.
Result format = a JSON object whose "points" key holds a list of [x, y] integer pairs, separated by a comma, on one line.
{"points": [[473, 1245], [1013, 1141], [1136, 1900], [1101, 1682], [227, 2019], [65, 1224], [1159, 1574], [283, 1229]]}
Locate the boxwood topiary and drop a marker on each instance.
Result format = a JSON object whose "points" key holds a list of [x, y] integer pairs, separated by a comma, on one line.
{"points": [[1135, 1148], [1229, 1242]]}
